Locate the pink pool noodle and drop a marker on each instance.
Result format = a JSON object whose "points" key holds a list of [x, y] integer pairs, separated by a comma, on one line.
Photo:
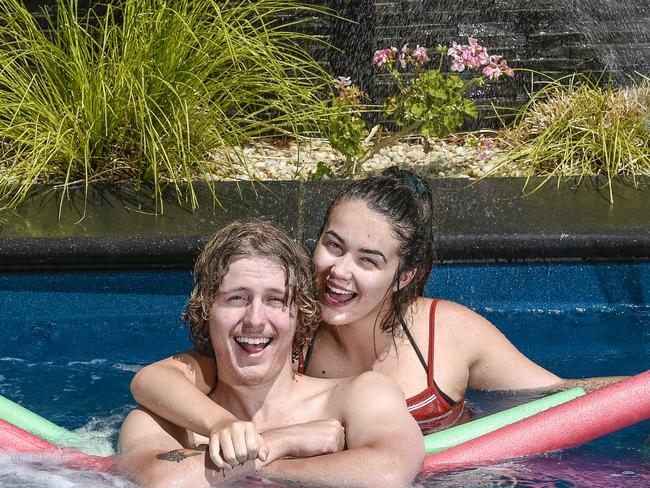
{"points": [[15, 439], [567, 425]]}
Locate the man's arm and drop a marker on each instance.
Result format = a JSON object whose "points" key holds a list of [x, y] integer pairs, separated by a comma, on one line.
{"points": [[152, 451], [384, 443]]}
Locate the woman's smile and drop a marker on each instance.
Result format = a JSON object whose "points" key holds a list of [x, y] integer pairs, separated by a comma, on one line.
{"points": [[336, 295]]}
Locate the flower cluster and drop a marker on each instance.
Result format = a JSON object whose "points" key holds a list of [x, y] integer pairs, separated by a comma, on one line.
{"points": [[345, 90], [384, 57], [475, 56], [433, 101], [418, 56]]}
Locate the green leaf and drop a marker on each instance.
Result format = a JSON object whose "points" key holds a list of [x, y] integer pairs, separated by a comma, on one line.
{"points": [[321, 171]]}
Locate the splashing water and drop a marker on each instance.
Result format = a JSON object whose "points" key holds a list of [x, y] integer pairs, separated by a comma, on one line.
{"points": [[616, 33]]}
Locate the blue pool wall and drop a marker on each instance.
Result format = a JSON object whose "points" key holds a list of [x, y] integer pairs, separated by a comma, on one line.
{"points": [[544, 285], [577, 308]]}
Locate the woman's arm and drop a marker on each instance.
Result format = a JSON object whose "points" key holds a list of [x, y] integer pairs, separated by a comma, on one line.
{"points": [[191, 377], [494, 363]]}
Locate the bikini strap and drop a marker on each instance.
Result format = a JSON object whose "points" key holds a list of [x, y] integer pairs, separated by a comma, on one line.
{"points": [[432, 328], [415, 347], [301, 364]]}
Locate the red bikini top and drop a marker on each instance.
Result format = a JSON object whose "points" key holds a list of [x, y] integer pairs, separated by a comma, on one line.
{"points": [[431, 408]]}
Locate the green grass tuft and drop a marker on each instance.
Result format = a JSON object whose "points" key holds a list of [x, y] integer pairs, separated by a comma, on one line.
{"points": [[574, 127], [142, 90]]}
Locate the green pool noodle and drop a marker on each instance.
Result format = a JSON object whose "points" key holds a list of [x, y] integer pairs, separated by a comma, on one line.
{"points": [[37, 425], [439, 441]]}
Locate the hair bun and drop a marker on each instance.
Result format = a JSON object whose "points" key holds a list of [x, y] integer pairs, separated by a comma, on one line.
{"points": [[411, 180]]}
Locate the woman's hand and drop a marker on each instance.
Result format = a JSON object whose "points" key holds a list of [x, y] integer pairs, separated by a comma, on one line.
{"points": [[308, 439], [234, 442]]}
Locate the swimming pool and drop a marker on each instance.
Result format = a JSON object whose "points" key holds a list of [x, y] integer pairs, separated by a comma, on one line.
{"points": [[72, 341]]}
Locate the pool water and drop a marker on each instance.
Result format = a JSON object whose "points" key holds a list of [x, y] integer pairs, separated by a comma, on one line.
{"points": [[71, 343]]}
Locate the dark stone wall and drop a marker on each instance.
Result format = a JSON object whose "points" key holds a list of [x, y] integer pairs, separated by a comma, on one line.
{"points": [[551, 37], [554, 38]]}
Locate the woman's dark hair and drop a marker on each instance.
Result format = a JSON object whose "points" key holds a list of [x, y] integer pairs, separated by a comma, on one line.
{"points": [[252, 239], [405, 200]]}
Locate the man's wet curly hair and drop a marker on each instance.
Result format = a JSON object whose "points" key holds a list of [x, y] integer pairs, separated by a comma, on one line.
{"points": [[252, 239]]}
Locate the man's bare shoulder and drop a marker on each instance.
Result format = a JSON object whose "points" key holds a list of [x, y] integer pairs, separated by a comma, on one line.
{"points": [[369, 386], [141, 426]]}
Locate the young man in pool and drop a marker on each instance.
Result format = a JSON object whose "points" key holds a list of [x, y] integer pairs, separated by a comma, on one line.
{"points": [[253, 308]]}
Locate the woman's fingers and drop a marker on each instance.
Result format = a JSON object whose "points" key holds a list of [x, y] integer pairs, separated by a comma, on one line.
{"points": [[215, 453], [235, 444]]}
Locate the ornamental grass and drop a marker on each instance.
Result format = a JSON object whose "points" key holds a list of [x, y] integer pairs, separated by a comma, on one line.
{"points": [[142, 90], [575, 127]]}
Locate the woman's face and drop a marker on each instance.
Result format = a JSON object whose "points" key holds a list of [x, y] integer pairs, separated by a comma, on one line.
{"points": [[356, 261]]}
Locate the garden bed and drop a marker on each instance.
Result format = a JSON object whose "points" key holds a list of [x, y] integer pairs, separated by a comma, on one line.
{"points": [[290, 159]]}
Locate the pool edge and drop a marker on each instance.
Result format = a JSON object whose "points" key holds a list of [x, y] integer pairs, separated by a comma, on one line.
{"points": [[489, 220]]}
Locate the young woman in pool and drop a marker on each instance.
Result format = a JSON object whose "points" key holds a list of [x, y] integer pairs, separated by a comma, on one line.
{"points": [[372, 260]]}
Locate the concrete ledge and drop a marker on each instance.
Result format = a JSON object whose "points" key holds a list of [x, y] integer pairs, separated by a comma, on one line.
{"points": [[489, 220]]}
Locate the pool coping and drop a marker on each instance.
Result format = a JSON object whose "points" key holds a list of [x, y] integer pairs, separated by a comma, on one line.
{"points": [[490, 220]]}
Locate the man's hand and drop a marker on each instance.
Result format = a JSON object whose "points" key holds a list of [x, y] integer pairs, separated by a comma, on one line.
{"points": [[234, 442], [309, 439]]}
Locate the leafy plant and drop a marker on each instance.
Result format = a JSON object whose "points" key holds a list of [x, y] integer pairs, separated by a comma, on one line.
{"points": [[346, 128], [432, 102], [429, 102], [574, 127], [141, 90], [322, 171]]}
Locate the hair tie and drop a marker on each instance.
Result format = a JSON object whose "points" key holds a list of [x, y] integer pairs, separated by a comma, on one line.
{"points": [[413, 181]]}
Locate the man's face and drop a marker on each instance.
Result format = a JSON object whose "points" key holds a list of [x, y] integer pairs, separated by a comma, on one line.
{"points": [[251, 326]]}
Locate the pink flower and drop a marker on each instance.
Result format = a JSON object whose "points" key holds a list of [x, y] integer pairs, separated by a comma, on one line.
{"points": [[457, 64], [472, 55], [420, 55], [486, 151], [404, 55], [478, 53], [491, 71], [484, 154], [470, 60], [483, 57], [454, 49], [505, 69], [383, 57]]}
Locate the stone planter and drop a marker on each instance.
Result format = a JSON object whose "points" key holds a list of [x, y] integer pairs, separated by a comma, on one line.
{"points": [[488, 220]]}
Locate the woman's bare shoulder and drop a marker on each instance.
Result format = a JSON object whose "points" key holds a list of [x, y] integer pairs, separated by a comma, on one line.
{"points": [[455, 324], [203, 369], [447, 313]]}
